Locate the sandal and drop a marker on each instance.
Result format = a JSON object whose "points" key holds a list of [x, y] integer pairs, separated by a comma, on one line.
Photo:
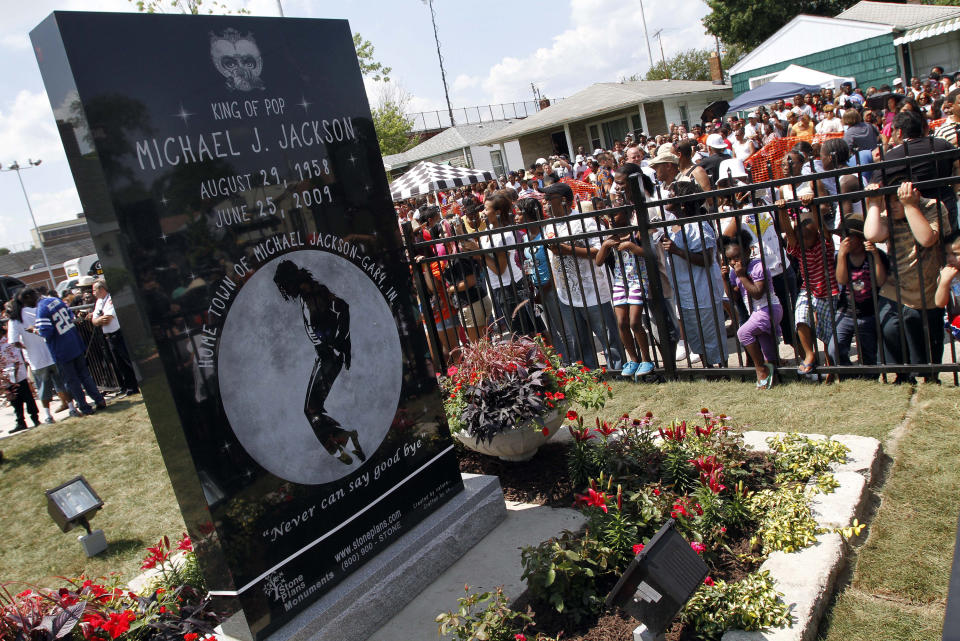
{"points": [[768, 381], [806, 368]]}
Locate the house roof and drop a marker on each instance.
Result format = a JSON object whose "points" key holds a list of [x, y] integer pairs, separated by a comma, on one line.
{"points": [[19, 262], [448, 140], [899, 16], [793, 40], [601, 98]]}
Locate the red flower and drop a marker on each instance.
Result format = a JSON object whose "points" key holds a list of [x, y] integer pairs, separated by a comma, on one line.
{"points": [[581, 434], [452, 370], [545, 431], [656, 491], [706, 464], [698, 509], [163, 609], [708, 582], [519, 637], [606, 430], [593, 499], [698, 547], [572, 416], [637, 548], [118, 623], [559, 396], [723, 529], [190, 636]]}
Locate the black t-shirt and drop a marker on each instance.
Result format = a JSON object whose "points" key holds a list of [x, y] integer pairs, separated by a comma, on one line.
{"points": [[860, 286], [711, 164], [456, 271], [923, 168]]}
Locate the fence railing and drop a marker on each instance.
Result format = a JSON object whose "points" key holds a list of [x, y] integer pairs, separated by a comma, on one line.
{"points": [[440, 119], [673, 281], [99, 358]]}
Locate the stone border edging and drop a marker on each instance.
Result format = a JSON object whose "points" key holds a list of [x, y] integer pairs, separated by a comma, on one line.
{"points": [[807, 578]]}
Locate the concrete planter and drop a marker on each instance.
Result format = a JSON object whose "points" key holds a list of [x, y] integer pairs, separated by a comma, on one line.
{"points": [[520, 442], [808, 577]]}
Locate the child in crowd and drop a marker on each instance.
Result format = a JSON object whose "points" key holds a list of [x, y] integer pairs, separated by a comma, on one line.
{"points": [[17, 388], [816, 303], [752, 282], [917, 224], [856, 315], [697, 280], [948, 287], [623, 256]]}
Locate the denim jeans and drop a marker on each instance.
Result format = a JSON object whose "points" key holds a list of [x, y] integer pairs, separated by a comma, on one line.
{"points": [[865, 329], [913, 321], [77, 378], [581, 324], [507, 298]]}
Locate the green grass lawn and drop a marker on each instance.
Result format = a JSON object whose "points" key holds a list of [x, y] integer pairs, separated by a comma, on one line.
{"points": [[117, 453], [899, 582]]}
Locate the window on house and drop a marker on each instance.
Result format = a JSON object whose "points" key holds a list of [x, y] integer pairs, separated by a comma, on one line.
{"points": [[684, 115], [614, 130], [595, 142], [496, 159], [636, 123]]}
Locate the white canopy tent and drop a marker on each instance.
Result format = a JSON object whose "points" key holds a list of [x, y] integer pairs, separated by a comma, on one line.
{"points": [[807, 76]]}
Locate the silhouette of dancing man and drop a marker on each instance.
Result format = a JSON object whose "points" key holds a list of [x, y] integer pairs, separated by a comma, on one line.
{"points": [[326, 319]]}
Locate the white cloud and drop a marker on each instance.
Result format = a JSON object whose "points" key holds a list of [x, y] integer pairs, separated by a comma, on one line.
{"points": [[27, 129], [605, 42], [51, 206], [463, 81]]}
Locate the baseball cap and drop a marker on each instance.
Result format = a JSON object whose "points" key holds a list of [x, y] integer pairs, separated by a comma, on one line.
{"points": [[540, 161], [716, 141], [752, 114], [559, 189]]}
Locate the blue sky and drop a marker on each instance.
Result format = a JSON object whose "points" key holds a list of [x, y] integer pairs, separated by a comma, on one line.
{"points": [[492, 52]]}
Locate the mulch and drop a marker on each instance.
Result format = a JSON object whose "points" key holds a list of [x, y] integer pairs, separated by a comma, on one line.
{"points": [[544, 480]]}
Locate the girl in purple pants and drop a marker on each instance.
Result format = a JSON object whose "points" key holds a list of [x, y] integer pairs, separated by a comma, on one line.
{"points": [[753, 283]]}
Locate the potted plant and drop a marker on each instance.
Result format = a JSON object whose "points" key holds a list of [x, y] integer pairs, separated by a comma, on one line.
{"points": [[507, 397]]}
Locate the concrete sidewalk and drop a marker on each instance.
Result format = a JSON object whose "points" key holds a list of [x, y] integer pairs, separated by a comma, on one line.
{"points": [[8, 420], [493, 562]]}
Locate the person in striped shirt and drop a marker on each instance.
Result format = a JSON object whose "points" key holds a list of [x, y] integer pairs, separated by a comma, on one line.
{"points": [[817, 302]]}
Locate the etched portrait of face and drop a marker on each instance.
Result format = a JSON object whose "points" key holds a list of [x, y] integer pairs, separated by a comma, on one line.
{"points": [[238, 59]]}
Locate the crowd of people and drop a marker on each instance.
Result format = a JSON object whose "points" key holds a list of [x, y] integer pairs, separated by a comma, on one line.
{"points": [[43, 353], [802, 263]]}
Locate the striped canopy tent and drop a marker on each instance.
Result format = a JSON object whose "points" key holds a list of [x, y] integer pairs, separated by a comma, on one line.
{"points": [[427, 177]]}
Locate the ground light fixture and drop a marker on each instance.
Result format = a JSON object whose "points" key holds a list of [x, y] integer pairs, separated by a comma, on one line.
{"points": [[73, 504]]}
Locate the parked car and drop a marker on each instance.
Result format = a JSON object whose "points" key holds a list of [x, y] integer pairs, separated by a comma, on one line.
{"points": [[9, 286]]}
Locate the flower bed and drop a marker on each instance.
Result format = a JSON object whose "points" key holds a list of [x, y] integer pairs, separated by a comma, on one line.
{"points": [[172, 606], [737, 506]]}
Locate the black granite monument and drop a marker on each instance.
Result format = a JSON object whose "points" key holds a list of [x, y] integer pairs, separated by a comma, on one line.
{"points": [[230, 173]]}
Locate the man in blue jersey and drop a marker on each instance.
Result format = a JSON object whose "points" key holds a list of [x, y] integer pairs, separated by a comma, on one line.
{"points": [[55, 323]]}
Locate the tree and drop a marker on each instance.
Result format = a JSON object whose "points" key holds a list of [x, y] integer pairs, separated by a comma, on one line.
{"points": [[192, 7], [689, 64], [4, 251], [368, 65], [749, 22], [394, 128]]}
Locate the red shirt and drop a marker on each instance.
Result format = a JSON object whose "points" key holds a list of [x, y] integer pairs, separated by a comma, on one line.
{"points": [[813, 268]]}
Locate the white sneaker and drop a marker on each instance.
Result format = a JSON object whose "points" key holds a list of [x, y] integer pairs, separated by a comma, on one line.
{"points": [[681, 351], [694, 358]]}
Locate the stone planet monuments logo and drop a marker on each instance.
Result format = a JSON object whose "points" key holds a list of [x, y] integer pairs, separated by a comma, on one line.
{"points": [[238, 59], [293, 592], [310, 367]]}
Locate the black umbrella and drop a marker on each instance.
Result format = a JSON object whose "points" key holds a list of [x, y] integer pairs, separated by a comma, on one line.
{"points": [[715, 110], [878, 101]]}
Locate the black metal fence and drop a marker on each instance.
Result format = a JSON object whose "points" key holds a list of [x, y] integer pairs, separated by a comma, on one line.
{"points": [[541, 275], [99, 358]]}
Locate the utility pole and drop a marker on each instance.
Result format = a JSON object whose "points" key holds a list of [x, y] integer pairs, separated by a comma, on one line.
{"points": [[719, 58], [443, 74], [280, 8], [30, 165], [646, 34], [663, 59]]}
